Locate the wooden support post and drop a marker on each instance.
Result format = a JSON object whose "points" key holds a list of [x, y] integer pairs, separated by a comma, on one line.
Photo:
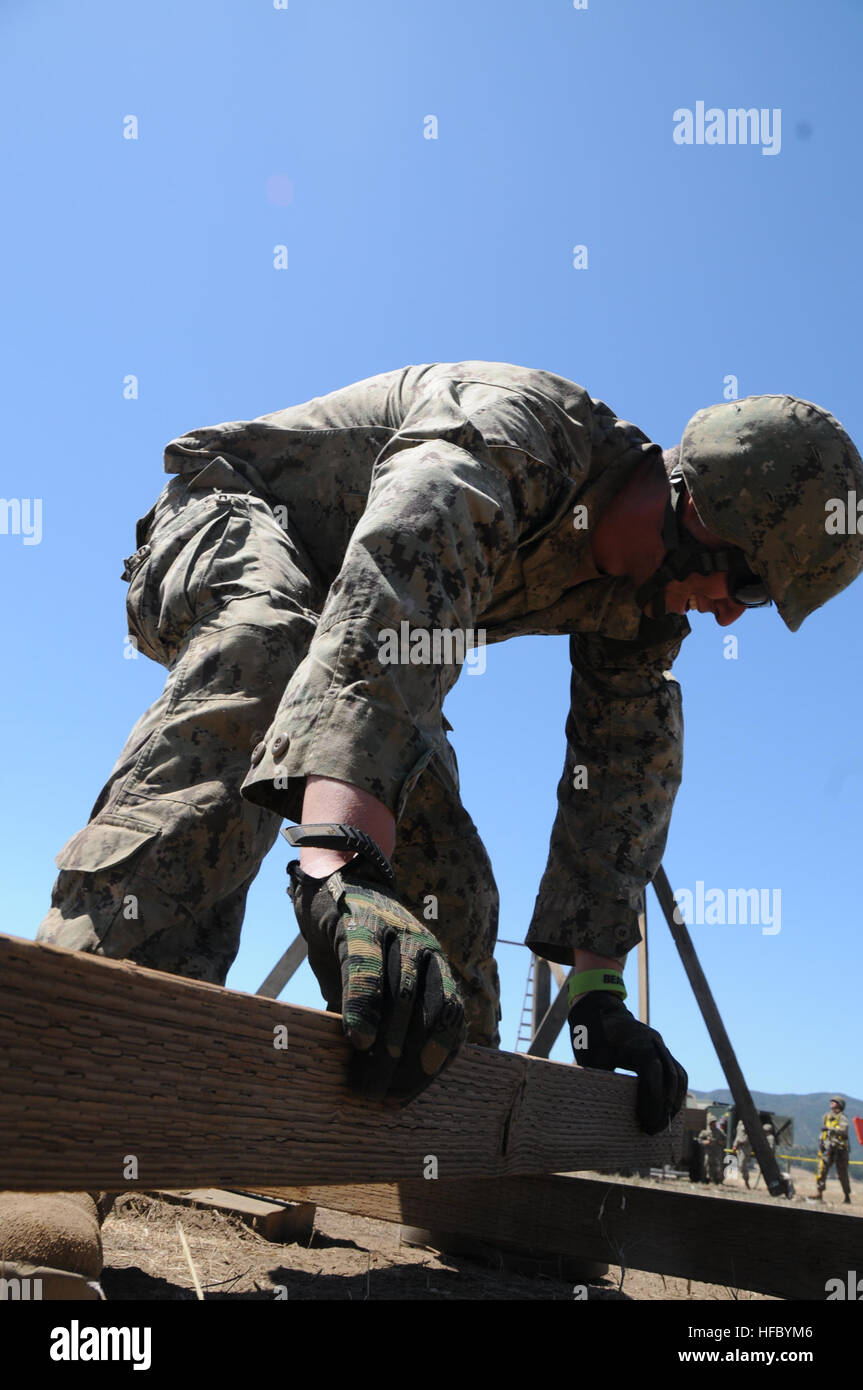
{"points": [[541, 993], [558, 972], [777, 1184], [643, 981], [284, 968], [785, 1251], [553, 1021], [116, 1077]]}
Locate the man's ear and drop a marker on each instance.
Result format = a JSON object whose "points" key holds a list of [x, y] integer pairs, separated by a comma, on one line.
{"points": [[695, 526]]}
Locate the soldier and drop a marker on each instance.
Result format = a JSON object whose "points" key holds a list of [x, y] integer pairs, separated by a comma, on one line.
{"points": [[833, 1148], [294, 576], [712, 1142], [743, 1149]]}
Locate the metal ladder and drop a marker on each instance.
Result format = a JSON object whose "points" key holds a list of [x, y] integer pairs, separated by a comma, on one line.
{"points": [[525, 1027]]}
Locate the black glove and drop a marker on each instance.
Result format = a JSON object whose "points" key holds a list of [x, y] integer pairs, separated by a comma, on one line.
{"points": [[613, 1038], [384, 971]]}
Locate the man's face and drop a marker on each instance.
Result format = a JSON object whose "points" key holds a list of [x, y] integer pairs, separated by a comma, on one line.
{"points": [[834, 1107], [706, 593]]}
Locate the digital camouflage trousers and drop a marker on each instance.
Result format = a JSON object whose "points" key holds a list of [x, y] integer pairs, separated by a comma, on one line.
{"points": [[828, 1155], [223, 594]]}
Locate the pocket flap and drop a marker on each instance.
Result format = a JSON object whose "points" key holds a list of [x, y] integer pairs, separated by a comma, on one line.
{"points": [[99, 846]]}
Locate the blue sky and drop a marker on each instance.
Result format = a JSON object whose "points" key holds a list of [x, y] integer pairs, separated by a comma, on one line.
{"points": [[304, 126]]}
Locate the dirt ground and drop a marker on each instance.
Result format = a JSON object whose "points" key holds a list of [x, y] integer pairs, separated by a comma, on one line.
{"points": [[352, 1257]]}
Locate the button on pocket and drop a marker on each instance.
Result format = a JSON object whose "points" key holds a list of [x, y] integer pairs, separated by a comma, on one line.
{"points": [[134, 562]]}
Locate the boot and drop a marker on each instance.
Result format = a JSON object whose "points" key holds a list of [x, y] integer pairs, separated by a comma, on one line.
{"points": [[819, 1195], [846, 1202], [51, 1242]]}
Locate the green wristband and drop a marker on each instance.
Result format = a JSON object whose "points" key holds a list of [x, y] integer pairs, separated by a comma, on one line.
{"points": [[597, 979]]}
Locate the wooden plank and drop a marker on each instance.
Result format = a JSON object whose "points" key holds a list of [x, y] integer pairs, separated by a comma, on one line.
{"points": [[282, 1221], [777, 1183], [116, 1077], [770, 1248], [284, 968]]}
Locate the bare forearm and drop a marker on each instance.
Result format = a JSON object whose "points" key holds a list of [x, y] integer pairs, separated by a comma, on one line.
{"points": [[327, 800], [589, 960]]}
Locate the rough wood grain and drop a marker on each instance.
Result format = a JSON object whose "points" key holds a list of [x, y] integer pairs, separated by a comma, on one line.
{"points": [[117, 1077], [775, 1249]]}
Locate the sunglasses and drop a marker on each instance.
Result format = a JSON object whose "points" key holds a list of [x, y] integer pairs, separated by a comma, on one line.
{"points": [[748, 590]]}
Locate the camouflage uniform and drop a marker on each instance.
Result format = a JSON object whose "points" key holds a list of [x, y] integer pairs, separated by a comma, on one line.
{"points": [[438, 496], [743, 1149], [833, 1148], [712, 1143]]}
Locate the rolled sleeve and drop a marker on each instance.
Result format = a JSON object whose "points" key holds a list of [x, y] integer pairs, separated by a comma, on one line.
{"points": [[364, 706], [623, 766]]}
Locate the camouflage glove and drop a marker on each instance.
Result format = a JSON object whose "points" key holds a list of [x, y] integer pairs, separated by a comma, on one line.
{"points": [[385, 973], [613, 1038]]}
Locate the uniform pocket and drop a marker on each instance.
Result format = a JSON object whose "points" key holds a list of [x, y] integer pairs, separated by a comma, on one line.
{"points": [[215, 548], [166, 576], [100, 846]]}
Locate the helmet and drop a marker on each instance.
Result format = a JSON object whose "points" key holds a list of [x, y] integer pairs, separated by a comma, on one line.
{"points": [[839, 1101], [761, 472]]}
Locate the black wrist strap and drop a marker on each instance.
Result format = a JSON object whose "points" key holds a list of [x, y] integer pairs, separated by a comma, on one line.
{"points": [[343, 837]]}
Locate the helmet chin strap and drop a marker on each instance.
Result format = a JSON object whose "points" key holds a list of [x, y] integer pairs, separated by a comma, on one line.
{"points": [[684, 555]]}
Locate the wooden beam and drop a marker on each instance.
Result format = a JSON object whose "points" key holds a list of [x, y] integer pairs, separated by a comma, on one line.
{"points": [[558, 972], [278, 1221], [116, 1077], [777, 1183], [284, 968], [770, 1248]]}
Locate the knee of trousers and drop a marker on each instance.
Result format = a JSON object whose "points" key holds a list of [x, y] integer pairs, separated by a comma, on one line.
{"points": [[131, 919], [218, 702], [169, 892], [243, 655]]}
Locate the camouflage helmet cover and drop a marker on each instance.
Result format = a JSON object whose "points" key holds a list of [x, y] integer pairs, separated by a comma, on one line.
{"points": [[839, 1101], [761, 472]]}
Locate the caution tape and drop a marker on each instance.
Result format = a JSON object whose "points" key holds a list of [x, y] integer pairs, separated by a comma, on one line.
{"points": [[799, 1158]]}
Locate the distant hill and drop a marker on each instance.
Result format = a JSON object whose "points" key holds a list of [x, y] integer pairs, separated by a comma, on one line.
{"points": [[807, 1112]]}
